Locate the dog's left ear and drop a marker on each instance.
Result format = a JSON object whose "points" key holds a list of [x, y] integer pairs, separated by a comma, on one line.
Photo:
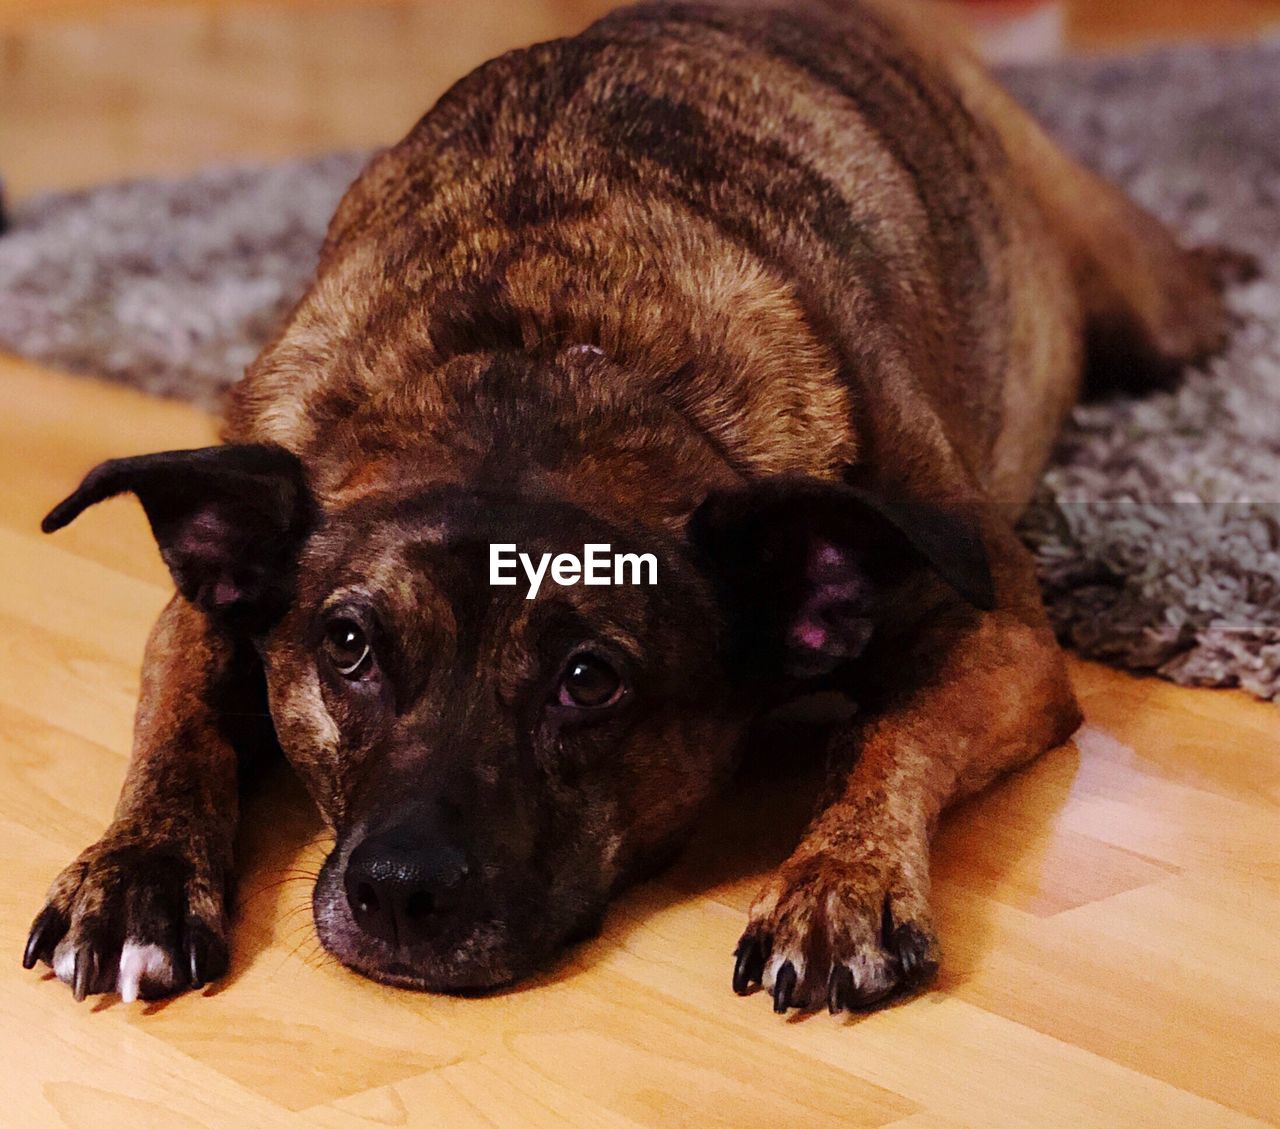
{"points": [[229, 521], [801, 567]]}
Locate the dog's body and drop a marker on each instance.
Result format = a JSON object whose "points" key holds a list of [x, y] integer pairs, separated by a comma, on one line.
{"points": [[796, 301]]}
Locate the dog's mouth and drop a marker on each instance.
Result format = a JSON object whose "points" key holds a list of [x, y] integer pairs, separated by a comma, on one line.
{"points": [[473, 964]]}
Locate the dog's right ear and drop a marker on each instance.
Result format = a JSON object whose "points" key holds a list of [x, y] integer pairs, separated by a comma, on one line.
{"points": [[229, 522], [801, 566]]}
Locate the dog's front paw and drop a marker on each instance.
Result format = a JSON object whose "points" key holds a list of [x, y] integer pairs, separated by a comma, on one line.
{"points": [[133, 916], [850, 933]]}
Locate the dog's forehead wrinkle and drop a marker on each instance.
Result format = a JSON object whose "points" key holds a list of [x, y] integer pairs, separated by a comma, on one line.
{"points": [[401, 578]]}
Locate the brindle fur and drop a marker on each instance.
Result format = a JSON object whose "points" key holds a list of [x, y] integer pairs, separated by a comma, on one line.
{"points": [[817, 243]]}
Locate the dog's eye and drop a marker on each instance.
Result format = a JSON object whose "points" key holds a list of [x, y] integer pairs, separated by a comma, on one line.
{"points": [[589, 683], [347, 646]]}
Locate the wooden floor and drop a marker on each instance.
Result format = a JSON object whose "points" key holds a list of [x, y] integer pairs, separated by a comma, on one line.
{"points": [[96, 89], [1110, 916]]}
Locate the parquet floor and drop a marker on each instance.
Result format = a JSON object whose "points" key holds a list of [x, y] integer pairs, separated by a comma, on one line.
{"points": [[1110, 916]]}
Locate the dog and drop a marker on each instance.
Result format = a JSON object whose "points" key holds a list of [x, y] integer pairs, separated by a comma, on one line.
{"points": [[789, 302]]}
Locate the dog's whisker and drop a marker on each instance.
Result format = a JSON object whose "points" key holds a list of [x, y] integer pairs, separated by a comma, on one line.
{"points": [[288, 911]]}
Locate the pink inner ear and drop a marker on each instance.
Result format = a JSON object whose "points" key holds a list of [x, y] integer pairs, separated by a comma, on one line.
{"points": [[225, 593], [205, 531], [203, 552], [834, 577], [827, 556], [831, 623], [809, 634]]}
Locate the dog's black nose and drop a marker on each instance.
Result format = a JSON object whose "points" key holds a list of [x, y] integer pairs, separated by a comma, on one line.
{"points": [[396, 884]]}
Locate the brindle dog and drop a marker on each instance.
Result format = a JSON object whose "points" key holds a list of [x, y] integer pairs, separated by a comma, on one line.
{"points": [[794, 300]]}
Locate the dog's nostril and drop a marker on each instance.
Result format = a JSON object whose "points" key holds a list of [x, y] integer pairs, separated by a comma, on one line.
{"points": [[420, 904], [366, 899]]}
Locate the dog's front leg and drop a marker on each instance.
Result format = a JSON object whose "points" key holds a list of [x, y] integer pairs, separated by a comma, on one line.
{"points": [[144, 910], [846, 918]]}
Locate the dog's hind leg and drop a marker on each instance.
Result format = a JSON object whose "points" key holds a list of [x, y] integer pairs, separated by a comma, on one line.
{"points": [[1151, 307]]}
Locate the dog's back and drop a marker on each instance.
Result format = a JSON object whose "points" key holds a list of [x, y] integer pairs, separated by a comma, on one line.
{"points": [[822, 232]]}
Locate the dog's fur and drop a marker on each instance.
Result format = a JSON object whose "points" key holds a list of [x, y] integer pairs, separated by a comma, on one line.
{"points": [[795, 300]]}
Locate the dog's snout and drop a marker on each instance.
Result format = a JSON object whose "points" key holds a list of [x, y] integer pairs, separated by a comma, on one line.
{"points": [[397, 884]]}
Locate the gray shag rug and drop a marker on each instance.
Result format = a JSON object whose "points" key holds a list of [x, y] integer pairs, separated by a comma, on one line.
{"points": [[1158, 526]]}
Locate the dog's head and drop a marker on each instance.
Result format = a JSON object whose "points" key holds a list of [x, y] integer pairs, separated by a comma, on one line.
{"points": [[495, 761]]}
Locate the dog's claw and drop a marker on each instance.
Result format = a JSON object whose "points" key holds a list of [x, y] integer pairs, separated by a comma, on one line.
{"points": [[907, 962], [47, 930], [83, 975], [195, 962], [784, 987], [207, 956], [840, 989], [914, 952], [748, 969]]}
